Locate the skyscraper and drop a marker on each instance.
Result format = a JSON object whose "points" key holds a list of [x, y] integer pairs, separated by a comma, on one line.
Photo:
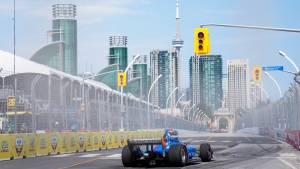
{"points": [[117, 60], [206, 80], [238, 83], [61, 54], [177, 44], [137, 85], [164, 62]]}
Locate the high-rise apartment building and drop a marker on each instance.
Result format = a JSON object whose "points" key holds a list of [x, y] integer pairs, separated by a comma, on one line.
{"points": [[61, 54], [206, 80], [255, 94], [117, 60], [238, 84], [137, 84], [165, 63]]}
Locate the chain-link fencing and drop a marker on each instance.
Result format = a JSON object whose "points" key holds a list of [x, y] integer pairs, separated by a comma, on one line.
{"points": [[283, 113], [44, 103]]}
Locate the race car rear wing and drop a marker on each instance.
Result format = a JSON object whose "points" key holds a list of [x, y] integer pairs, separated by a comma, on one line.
{"points": [[143, 141]]}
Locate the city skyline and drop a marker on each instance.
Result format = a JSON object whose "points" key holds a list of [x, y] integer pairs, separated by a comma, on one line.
{"points": [[151, 25]]}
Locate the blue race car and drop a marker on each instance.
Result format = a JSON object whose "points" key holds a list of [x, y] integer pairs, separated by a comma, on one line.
{"points": [[165, 151]]}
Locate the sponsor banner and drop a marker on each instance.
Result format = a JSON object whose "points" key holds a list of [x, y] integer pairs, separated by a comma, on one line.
{"points": [[102, 140], [145, 134], [43, 144], [122, 138], [30, 140], [109, 140], [71, 142], [151, 134], [62, 148], [89, 142], [81, 141], [292, 137], [55, 142], [5, 147], [18, 146], [159, 133], [116, 139], [131, 134], [96, 141]]}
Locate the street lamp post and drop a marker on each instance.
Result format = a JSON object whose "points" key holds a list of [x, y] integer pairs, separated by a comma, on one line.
{"points": [[263, 91], [83, 95], [169, 98], [194, 117], [178, 101], [194, 113], [190, 111], [122, 107], [275, 82], [255, 95], [184, 108], [149, 97], [284, 55], [167, 105]]}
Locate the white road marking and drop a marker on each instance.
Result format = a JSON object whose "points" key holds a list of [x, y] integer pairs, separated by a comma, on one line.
{"points": [[90, 155], [248, 139], [62, 155], [225, 141], [114, 155], [288, 164]]}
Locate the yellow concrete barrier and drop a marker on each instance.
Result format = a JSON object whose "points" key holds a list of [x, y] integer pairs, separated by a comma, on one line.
{"points": [[96, 141], [5, 147], [55, 142], [80, 139], [123, 141], [43, 144], [31, 142], [18, 146], [109, 140], [71, 142], [88, 145]]}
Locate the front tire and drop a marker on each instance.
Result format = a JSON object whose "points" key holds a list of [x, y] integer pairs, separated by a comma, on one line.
{"points": [[205, 152], [177, 155], [128, 159]]}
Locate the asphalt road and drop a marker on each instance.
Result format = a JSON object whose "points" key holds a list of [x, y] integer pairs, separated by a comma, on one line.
{"points": [[230, 151]]}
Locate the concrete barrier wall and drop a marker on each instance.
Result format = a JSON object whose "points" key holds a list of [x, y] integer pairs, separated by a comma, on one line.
{"points": [[288, 135], [14, 146]]}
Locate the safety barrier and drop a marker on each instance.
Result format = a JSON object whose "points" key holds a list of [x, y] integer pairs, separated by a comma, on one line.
{"points": [[288, 135], [15, 146]]}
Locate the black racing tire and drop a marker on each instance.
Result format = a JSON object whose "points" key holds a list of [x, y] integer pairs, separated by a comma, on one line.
{"points": [[205, 152], [128, 159], [178, 155]]}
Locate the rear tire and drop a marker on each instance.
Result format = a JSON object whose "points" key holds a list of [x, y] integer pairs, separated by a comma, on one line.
{"points": [[205, 152], [128, 159], [177, 155]]}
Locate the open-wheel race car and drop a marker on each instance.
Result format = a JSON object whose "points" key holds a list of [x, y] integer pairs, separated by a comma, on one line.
{"points": [[165, 151]]}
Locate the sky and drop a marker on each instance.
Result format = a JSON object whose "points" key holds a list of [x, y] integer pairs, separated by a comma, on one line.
{"points": [[150, 24]]}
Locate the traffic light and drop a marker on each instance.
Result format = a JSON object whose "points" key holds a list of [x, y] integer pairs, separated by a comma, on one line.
{"points": [[121, 79], [201, 41], [82, 106], [257, 73]]}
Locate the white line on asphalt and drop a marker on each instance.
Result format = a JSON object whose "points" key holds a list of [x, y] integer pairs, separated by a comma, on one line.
{"points": [[62, 155], [225, 141], [248, 139], [288, 164], [90, 155], [115, 155]]}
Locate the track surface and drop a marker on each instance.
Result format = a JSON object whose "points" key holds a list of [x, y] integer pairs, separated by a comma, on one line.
{"points": [[230, 151]]}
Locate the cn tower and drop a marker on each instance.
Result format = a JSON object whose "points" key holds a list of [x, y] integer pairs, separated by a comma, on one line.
{"points": [[178, 43]]}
